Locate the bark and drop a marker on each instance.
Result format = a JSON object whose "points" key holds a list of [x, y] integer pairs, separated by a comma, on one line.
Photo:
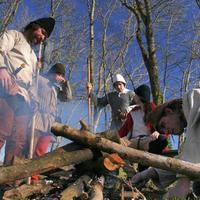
{"points": [[11, 12], [76, 189], [97, 192], [146, 42], [96, 166], [102, 165], [91, 9], [25, 191], [95, 141], [134, 193], [63, 156]]}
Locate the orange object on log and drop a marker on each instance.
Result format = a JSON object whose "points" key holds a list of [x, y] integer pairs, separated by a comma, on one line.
{"points": [[113, 162]]}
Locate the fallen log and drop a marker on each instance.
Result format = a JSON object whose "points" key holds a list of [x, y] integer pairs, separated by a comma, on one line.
{"points": [[24, 191], [97, 190], [60, 157], [76, 189], [93, 140]]}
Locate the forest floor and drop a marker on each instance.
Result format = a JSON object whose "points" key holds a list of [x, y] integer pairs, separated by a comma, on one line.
{"points": [[116, 185]]}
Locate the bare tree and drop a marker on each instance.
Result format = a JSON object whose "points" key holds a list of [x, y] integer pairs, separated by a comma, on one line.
{"points": [[142, 12], [198, 3], [9, 10]]}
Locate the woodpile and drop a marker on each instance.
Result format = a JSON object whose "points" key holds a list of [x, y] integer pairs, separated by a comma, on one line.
{"points": [[80, 170]]}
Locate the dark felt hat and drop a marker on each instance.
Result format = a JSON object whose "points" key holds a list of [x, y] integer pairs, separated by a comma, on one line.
{"points": [[58, 68], [46, 23], [143, 91]]}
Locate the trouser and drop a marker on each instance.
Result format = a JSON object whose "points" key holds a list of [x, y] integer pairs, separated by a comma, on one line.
{"points": [[155, 147], [14, 120], [42, 142], [196, 188]]}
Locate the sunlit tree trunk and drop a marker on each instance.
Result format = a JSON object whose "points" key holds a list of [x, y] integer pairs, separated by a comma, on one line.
{"points": [[142, 12]]}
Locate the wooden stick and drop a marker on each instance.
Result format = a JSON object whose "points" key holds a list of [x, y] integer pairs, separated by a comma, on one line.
{"points": [[31, 147], [89, 98]]}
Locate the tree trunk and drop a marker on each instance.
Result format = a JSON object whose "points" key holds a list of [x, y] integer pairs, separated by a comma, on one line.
{"points": [[146, 42], [95, 141], [63, 156]]}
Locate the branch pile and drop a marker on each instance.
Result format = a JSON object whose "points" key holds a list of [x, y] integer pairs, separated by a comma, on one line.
{"points": [[92, 157]]}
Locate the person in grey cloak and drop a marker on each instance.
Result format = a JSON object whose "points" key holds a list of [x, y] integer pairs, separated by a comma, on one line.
{"points": [[190, 150], [119, 100], [51, 88]]}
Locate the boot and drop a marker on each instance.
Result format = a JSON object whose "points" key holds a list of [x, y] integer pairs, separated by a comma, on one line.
{"points": [[180, 190], [141, 178]]}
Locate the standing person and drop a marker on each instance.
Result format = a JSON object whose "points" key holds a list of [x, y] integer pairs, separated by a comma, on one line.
{"points": [[51, 88], [143, 135], [17, 68], [119, 100]]}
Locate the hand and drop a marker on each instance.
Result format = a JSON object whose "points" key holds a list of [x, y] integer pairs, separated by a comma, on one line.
{"points": [[155, 135], [89, 87], [64, 83], [123, 115], [5, 79]]}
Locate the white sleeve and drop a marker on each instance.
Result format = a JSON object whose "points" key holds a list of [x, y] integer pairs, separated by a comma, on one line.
{"points": [[7, 42]]}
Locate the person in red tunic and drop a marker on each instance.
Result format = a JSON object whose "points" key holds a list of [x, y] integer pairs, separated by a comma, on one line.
{"points": [[141, 134]]}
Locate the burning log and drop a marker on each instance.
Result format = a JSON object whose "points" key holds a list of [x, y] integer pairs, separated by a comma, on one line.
{"points": [[86, 138]]}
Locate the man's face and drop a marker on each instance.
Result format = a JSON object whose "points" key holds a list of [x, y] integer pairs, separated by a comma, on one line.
{"points": [[119, 86], [38, 35], [59, 78], [170, 123]]}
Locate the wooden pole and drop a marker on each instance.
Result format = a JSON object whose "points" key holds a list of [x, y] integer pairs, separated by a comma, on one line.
{"points": [[134, 155], [89, 98], [31, 146]]}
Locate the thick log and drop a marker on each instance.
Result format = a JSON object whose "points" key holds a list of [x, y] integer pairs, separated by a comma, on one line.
{"points": [[95, 141], [25, 191], [76, 189], [97, 190], [60, 157]]}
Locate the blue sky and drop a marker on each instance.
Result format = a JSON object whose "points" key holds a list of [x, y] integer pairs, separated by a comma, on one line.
{"points": [[75, 110]]}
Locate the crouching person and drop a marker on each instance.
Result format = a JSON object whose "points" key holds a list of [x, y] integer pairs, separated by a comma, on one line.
{"points": [[171, 118], [50, 88], [143, 134]]}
